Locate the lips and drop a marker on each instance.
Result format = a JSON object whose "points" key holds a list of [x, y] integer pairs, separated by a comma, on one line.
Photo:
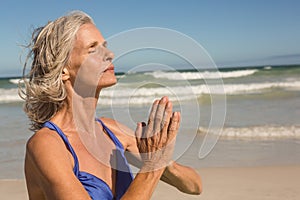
{"points": [[110, 67]]}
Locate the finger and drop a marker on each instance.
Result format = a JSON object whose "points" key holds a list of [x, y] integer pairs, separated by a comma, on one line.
{"points": [[150, 126], [158, 121], [179, 118], [173, 126], [165, 123], [138, 131], [138, 135], [159, 114]]}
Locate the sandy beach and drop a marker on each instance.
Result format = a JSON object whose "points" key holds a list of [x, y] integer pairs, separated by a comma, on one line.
{"points": [[13, 189], [259, 183], [254, 183]]}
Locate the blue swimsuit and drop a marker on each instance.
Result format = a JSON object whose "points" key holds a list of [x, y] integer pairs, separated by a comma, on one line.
{"points": [[96, 187]]}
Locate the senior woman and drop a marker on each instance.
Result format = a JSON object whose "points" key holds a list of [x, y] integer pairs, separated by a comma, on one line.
{"points": [[70, 154]]}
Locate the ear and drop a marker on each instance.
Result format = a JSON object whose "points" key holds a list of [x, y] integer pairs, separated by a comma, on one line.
{"points": [[65, 74]]}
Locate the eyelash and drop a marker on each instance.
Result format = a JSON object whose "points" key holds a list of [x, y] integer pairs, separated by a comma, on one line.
{"points": [[92, 51], [92, 48]]}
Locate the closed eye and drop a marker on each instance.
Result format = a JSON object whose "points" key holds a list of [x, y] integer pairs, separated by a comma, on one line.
{"points": [[92, 47]]}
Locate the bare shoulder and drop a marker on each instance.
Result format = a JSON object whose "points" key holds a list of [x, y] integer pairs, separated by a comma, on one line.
{"points": [[45, 142], [125, 134], [46, 161], [49, 168], [45, 150], [42, 137]]}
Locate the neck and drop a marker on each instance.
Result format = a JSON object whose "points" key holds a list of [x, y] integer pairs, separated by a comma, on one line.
{"points": [[78, 112]]}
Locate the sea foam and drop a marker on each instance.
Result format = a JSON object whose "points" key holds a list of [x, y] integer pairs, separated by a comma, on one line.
{"points": [[201, 75], [123, 93], [255, 132]]}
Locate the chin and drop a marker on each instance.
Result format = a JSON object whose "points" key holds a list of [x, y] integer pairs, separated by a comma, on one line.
{"points": [[104, 83]]}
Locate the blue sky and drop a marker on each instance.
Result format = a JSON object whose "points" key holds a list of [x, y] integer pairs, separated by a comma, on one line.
{"points": [[234, 33]]}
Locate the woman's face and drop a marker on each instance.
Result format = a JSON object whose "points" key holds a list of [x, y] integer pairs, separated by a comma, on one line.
{"points": [[91, 65]]}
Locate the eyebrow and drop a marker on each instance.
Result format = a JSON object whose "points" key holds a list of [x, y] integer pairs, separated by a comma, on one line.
{"points": [[104, 43], [95, 43]]}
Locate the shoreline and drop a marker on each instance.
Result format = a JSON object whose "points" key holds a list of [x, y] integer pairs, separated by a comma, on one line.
{"points": [[234, 183]]}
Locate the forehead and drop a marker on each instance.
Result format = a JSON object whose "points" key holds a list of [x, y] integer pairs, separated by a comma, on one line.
{"points": [[88, 33]]}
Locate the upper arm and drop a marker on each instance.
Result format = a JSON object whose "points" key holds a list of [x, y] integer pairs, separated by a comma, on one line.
{"points": [[48, 168]]}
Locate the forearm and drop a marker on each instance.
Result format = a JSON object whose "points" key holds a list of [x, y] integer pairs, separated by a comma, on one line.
{"points": [[143, 185], [155, 143], [183, 178]]}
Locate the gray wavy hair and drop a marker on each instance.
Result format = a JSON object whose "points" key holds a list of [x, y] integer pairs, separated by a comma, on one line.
{"points": [[49, 51]]}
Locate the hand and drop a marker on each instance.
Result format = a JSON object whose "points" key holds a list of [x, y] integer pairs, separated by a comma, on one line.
{"points": [[156, 140]]}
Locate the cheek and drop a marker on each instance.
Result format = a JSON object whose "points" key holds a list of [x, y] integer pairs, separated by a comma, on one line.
{"points": [[91, 71]]}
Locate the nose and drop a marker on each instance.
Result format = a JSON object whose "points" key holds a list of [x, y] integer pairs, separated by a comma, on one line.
{"points": [[109, 55]]}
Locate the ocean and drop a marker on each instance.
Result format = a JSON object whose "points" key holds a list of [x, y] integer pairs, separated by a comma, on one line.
{"points": [[242, 116]]}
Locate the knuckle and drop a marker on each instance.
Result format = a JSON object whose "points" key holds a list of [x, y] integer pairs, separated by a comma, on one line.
{"points": [[164, 140], [173, 127], [150, 121], [158, 118], [151, 117]]}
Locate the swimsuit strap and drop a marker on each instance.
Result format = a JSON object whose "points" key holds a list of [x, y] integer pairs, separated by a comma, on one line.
{"points": [[112, 136], [54, 127], [124, 175]]}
